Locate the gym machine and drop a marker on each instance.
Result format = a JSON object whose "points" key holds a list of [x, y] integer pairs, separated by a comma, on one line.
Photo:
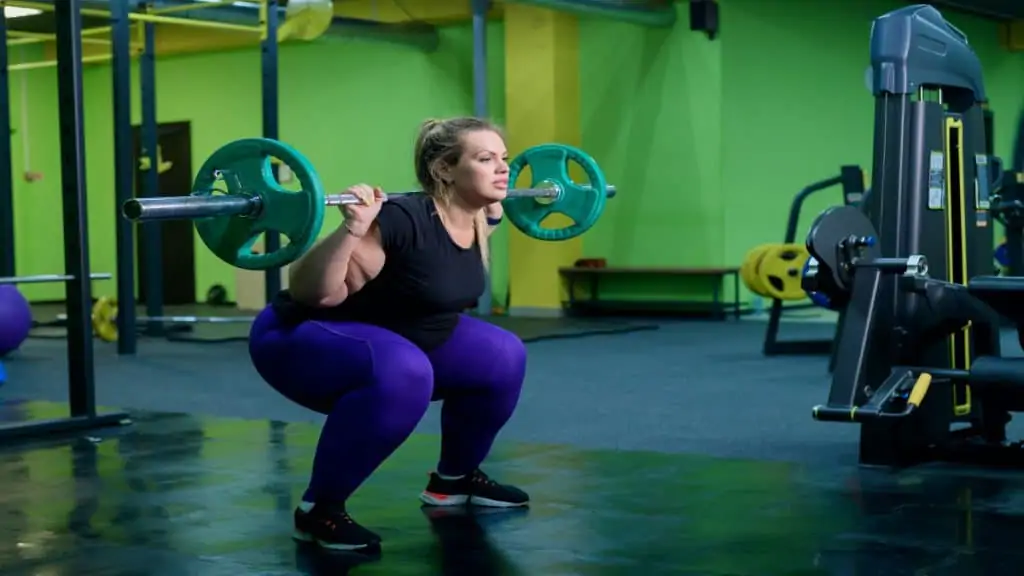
{"points": [[918, 362], [851, 178]]}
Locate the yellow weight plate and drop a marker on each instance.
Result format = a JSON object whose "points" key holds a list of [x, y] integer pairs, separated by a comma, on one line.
{"points": [[104, 319], [748, 270], [779, 271]]}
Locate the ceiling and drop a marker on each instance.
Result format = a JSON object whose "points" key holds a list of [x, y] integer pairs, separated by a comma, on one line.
{"points": [[996, 9]]}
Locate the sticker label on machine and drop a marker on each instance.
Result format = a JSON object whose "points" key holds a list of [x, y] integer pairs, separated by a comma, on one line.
{"points": [[981, 182], [937, 181], [982, 204]]}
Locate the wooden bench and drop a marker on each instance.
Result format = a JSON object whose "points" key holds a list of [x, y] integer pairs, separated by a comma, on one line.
{"points": [[590, 279]]}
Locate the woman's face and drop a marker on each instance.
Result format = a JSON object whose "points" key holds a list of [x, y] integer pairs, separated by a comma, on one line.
{"points": [[481, 175]]}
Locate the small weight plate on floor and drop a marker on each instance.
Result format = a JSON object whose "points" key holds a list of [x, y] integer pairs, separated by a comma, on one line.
{"points": [[104, 319], [245, 168], [748, 269], [780, 269], [549, 167]]}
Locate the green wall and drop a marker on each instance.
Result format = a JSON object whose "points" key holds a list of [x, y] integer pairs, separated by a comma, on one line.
{"points": [[710, 140], [707, 140]]}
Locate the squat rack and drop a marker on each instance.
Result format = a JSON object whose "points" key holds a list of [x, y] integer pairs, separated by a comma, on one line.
{"points": [[68, 35], [81, 367], [121, 18], [124, 168]]}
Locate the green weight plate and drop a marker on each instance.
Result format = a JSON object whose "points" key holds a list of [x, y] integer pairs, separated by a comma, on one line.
{"points": [[245, 168], [549, 166]]}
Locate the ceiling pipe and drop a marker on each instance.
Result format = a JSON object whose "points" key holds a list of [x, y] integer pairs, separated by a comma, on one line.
{"points": [[653, 13], [417, 35], [998, 10]]}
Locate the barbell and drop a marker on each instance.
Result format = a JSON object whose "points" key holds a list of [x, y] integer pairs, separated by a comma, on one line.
{"points": [[230, 221]]}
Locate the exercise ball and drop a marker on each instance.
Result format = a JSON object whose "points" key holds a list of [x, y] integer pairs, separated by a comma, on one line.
{"points": [[15, 319]]}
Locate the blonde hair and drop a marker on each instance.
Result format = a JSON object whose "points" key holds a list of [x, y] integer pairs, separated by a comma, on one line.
{"points": [[440, 143]]}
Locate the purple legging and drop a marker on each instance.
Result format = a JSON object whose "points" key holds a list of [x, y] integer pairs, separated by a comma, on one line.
{"points": [[375, 386]]}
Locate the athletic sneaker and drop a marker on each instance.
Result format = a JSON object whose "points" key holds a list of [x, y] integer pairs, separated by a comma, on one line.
{"points": [[332, 528], [475, 488]]}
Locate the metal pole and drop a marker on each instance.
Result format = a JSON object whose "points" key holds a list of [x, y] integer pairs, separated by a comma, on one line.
{"points": [[124, 171], [51, 63], [7, 254], [480, 7], [81, 370], [152, 233], [271, 128]]}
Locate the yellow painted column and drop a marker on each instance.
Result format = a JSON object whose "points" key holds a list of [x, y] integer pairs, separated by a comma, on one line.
{"points": [[542, 99], [1012, 35]]}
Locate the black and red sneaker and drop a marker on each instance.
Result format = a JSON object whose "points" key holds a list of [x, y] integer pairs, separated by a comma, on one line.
{"points": [[331, 527], [475, 488]]}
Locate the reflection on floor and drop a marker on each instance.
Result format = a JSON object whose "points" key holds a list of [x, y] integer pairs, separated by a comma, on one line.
{"points": [[177, 494]]}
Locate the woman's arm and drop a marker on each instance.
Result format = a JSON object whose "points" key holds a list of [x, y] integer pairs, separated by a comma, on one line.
{"points": [[319, 278], [342, 263]]}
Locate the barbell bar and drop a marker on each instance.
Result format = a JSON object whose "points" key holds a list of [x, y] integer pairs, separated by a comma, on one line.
{"points": [[104, 319], [49, 278], [230, 221], [194, 207]]}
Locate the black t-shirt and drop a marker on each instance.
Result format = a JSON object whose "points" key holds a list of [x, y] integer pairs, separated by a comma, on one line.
{"points": [[426, 281]]}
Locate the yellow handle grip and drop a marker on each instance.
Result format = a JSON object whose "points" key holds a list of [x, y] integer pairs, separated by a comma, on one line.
{"points": [[919, 390]]}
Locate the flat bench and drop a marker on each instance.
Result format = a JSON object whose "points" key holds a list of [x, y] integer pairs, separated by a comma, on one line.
{"points": [[591, 278]]}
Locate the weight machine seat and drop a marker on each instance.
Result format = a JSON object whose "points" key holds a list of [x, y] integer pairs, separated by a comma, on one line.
{"points": [[1004, 294]]}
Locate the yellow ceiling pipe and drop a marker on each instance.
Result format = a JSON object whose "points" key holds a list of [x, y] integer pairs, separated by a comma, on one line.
{"points": [[436, 12], [190, 7], [21, 37], [24, 41], [302, 20], [50, 63], [40, 36]]}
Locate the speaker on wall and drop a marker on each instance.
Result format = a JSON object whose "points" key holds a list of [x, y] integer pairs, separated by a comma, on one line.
{"points": [[704, 17]]}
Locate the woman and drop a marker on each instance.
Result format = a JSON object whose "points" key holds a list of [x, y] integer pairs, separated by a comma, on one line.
{"points": [[371, 331]]}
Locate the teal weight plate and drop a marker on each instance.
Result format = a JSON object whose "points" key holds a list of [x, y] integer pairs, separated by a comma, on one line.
{"points": [[245, 168], [549, 165]]}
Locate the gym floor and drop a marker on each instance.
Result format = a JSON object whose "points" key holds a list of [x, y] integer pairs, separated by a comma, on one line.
{"points": [[678, 450]]}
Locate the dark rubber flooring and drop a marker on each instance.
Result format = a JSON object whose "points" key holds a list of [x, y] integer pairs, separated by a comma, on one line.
{"points": [[672, 451]]}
